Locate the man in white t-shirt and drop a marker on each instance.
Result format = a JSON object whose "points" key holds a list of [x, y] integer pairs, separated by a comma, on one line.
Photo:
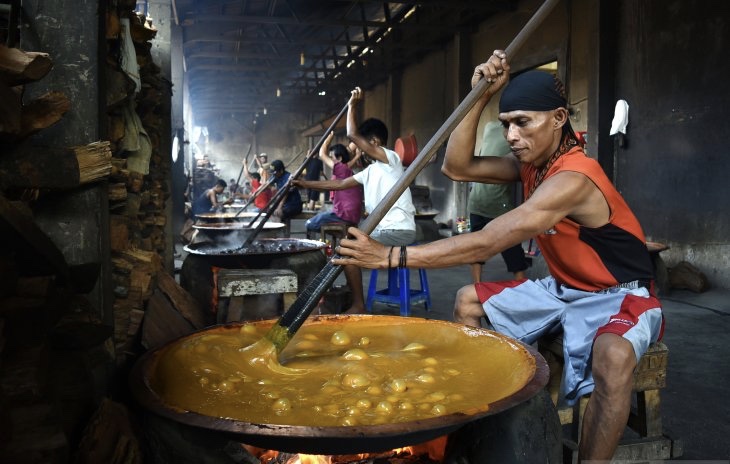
{"points": [[398, 226]]}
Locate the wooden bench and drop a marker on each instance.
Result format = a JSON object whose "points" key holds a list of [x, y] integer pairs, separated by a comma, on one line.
{"points": [[237, 284], [645, 439]]}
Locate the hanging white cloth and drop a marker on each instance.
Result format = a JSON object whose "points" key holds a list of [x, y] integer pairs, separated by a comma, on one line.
{"points": [[620, 118], [128, 56]]}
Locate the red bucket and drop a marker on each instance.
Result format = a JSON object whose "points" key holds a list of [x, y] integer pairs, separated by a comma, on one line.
{"points": [[407, 149]]}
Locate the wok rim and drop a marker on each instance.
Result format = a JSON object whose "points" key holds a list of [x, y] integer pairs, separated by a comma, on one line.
{"points": [[191, 248], [331, 439], [236, 226]]}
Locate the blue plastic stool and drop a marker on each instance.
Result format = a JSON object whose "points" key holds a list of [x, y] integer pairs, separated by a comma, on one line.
{"points": [[399, 290]]}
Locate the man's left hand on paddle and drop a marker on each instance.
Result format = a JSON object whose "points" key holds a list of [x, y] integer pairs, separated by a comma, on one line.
{"points": [[362, 251]]}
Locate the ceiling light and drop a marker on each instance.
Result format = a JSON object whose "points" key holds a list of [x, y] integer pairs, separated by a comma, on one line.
{"points": [[278, 92], [265, 111], [301, 59]]}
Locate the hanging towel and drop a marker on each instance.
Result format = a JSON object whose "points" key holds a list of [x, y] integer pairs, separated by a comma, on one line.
{"points": [[620, 118], [129, 57]]}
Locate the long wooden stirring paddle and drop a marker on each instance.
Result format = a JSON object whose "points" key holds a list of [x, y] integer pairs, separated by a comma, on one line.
{"points": [[245, 160], [282, 332]]}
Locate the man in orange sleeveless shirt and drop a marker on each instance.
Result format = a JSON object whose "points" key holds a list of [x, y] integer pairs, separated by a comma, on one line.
{"points": [[599, 291]]}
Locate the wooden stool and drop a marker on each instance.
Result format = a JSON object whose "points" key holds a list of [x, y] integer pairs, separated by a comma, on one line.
{"points": [[336, 230], [645, 418], [660, 269], [236, 284]]}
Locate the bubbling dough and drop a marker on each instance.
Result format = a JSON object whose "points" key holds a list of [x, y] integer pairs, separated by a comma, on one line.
{"points": [[340, 374]]}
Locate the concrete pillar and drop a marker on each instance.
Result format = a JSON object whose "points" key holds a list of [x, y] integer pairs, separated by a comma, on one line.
{"points": [[161, 12], [76, 221]]}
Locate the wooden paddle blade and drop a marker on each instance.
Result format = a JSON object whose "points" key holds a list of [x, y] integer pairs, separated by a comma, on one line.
{"points": [[282, 332]]}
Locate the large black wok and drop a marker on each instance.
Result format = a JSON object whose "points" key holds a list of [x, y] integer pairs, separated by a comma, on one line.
{"points": [[304, 257], [337, 439], [235, 233]]}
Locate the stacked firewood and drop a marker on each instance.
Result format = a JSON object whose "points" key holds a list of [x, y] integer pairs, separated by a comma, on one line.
{"points": [[138, 187], [52, 344]]}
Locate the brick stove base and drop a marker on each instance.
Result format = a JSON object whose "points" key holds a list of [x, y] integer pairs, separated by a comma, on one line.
{"points": [[527, 433]]}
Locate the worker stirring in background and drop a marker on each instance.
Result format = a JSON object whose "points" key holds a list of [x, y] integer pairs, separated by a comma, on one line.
{"points": [[291, 205], [347, 203], [208, 200], [487, 201], [600, 288], [263, 192], [398, 226], [314, 172]]}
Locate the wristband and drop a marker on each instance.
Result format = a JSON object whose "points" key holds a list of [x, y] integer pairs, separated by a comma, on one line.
{"points": [[403, 257], [390, 252]]}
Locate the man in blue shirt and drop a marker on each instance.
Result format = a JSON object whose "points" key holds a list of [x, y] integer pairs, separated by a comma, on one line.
{"points": [[291, 205]]}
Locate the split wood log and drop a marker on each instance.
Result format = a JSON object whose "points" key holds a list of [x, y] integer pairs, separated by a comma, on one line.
{"points": [[143, 279], [28, 232], [136, 316], [110, 437], [116, 127], [119, 163], [11, 107], [119, 87], [79, 328], [117, 192], [38, 286], [136, 180], [42, 112], [112, 25], [55, 168], [94, 161], [122, 265], [162, 323], [119, 234], [145, 243], [155, 220], [18, 67], [141, 31], [153, 260], [181, 300]]}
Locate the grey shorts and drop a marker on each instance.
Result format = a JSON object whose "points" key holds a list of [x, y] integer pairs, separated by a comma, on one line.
{"points": [[528, 310], [394, 237]]}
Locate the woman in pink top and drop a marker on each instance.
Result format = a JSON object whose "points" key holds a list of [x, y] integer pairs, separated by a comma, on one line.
{"points": [[346, 204]]}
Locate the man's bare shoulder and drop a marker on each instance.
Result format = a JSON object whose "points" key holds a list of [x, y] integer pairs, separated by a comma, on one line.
{"points": [[573, 194]]}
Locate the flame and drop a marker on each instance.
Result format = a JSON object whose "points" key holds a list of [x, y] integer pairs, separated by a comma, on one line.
{"points": [[435, 449], [311, 459]]}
